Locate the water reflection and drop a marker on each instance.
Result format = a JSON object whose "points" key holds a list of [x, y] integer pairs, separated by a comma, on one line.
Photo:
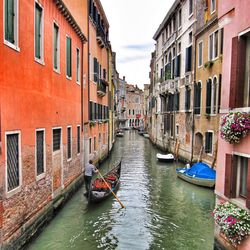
{"points": [[162, 211]]}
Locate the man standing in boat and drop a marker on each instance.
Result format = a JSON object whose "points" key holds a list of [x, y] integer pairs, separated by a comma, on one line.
{"points": [[90, 169]]}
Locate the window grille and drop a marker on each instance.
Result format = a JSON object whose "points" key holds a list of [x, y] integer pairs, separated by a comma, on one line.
{"points": [[13, 161], [56, 139], [40, 152]]}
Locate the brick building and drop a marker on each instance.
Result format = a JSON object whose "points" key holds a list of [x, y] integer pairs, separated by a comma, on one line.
{"points": [[41, 114]]}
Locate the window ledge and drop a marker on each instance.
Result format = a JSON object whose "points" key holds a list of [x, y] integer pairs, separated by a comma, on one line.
{"points": [[12, 46], [189, 17], [40, 61], [69, 78], [40, 176], [57, 71], [78, 83], [13, 192], [69, 159]]}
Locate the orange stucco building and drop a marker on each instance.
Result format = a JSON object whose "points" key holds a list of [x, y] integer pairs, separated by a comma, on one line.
{"points": [[98, 82], [43, 96]]}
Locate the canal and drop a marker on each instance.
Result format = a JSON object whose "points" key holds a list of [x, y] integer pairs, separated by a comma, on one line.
{"points": [[162, 211]]}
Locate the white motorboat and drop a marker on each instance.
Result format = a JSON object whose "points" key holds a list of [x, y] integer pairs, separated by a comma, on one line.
{"points": [[166, 158]]}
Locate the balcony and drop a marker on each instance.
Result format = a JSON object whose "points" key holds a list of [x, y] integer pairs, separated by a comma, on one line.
{"points": [[167, 86], [101, 37], [169, 42], [101, 88]]}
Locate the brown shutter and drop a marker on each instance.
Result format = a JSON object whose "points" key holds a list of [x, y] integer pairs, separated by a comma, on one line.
{"points": [[238, 58], [248, 185], [230, 181]]}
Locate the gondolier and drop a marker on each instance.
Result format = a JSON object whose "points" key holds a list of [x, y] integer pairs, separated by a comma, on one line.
{"points": [[90, 169]]}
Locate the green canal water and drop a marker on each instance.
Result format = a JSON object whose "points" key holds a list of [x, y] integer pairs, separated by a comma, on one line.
{"points": [[162, 211]]}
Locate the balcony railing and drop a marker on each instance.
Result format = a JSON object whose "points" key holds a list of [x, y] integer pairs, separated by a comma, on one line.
{"points": [[101, 37], [169, 42], [101, 88]]}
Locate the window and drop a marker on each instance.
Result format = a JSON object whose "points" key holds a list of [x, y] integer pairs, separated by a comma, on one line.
{"points": [[69, 143], [237, 169], [96, 70], [68, 57], [90, 146], [213, 6], [40, 152], [179, 19], [200, 54], [191, 7], [11, 23], [188, 61], [208, 142], [197, 98], [242, 172], [56, 49], [13, 160], [213, 90], [95, 144], [78, 65], [177, 130], [221, 40], [56, 139], [187, 98], [104, 141], [39, 33], [213, 46], [78, 139]]}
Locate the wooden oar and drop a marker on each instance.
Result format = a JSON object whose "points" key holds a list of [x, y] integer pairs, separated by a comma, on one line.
{"points": [[110, 189]]}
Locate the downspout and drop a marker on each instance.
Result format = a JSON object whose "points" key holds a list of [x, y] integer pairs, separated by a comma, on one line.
{"points": [[82, 111], [193, 125]]}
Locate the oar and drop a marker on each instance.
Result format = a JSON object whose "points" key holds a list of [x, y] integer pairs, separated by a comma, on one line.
{"points": [[110, 189]]}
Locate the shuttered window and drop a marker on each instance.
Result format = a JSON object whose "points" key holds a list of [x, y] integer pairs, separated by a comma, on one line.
{"points": [[78, 139], [13, 175], [56, 47], [197, 98], [90, 146], [200, 54], [40, 152], [68, 57], [177, 66], [69, 143], [38, 32], [188, 61], [208, 96], [56, 139], [208, 142], [96, 69]]}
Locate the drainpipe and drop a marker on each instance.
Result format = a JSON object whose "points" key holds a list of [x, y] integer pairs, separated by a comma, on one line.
{"points": [[108, 101], [193, 125]]}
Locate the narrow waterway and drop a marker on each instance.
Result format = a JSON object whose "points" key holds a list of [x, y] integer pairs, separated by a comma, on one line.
{"points": [[162, 211]]}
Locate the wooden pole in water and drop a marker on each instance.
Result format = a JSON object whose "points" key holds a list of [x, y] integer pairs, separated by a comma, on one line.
{"points": [[110, 189]]}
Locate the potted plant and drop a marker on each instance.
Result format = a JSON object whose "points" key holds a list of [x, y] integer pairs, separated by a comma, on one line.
{"points": [[92, 123], [208, 64], [234, 222], [234, 126]]}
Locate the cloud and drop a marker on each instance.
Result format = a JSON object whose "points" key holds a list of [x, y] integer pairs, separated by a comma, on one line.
{"points": [[132, 58], [145, 46]]}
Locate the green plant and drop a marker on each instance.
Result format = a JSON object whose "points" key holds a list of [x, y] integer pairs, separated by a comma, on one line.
{"points": [[92, 123], [234, 126], [208, 64], [234, 222]]}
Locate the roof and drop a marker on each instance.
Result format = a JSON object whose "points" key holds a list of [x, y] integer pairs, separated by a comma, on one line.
{"points": [[162, 25]]}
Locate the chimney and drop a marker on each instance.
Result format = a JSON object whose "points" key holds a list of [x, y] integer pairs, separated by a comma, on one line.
{"points": [[123, 78]]}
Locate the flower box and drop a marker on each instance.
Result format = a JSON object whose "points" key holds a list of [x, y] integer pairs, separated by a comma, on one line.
{"points": [[234, 126]]}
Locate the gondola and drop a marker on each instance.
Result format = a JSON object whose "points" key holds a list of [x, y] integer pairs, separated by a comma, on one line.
{"points": [[199, 174], [99, 190]]}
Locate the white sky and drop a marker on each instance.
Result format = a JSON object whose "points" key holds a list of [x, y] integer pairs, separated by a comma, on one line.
{"points": [[133, 24]]}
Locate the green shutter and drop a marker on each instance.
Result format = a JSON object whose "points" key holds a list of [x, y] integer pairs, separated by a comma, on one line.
{"points": [[68, 56], [55, 46], [38, 31], [9, 20]]}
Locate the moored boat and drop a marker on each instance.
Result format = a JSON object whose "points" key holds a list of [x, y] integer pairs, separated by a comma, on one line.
{"points": [[165, 158], [100, 189], [146, 135], [120, 133], [199, 174]]}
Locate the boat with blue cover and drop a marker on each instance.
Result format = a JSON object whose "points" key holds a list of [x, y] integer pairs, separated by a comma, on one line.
{"points": [[199, 174]]}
